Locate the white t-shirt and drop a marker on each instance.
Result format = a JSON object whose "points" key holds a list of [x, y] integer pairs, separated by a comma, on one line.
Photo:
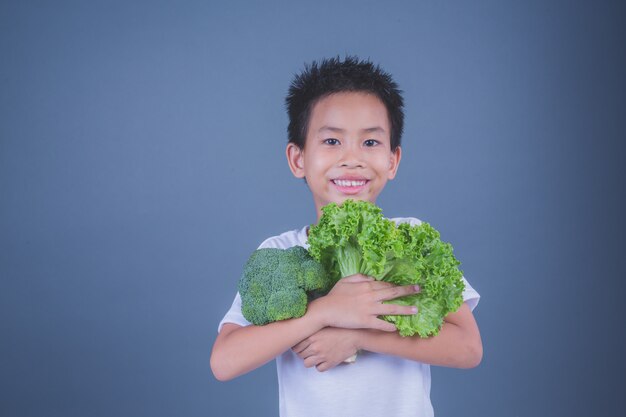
{"points": [[375, 385]]}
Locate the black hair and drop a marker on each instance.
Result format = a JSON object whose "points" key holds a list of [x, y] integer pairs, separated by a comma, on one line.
{"points": [[333, 75]]}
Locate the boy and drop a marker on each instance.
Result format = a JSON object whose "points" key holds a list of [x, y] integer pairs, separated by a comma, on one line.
{"points": [[346, 121]]}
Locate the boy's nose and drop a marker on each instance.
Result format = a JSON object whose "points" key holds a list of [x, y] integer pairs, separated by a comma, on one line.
{"points": [[351, 158], [352, 163]]}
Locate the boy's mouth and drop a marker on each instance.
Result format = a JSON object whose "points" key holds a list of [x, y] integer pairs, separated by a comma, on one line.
{"points": [[350, 186]]}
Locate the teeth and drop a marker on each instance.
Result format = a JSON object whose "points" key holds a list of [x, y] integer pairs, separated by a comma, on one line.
{"points": [[347, 183]]}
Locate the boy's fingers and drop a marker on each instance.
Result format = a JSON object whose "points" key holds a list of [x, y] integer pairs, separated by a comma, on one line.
{"points": [[311, 361], [301, 346], [305, 354], [357, 278], [395, 292], [383, 325], [324, 366], [396, 310], [380, 285]]}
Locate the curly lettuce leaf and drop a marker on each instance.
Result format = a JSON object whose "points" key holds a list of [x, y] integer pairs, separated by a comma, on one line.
{"points": [[355, 238]]}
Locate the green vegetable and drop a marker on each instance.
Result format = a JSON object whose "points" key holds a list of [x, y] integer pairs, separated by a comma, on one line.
{"points": [[277, 284], [355, 238]]}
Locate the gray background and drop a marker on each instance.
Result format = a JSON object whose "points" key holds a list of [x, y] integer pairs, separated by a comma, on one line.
{"points": [[142, 160]]}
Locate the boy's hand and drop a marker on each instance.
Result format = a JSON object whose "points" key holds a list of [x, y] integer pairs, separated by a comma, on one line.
{"points": [[355, 302], [327, 348]]}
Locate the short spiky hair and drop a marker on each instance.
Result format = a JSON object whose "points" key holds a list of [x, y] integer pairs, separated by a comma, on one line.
{"points": [[333, 75]]}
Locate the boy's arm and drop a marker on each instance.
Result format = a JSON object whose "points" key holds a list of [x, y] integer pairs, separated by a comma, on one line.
{"points": [[457, 345], [238, 350], [354, 302]]}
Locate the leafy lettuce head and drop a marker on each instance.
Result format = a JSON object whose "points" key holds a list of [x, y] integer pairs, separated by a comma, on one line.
{"points": [[355, 238]]}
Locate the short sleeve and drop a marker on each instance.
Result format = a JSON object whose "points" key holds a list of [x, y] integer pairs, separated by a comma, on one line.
{"points": [[470, 295], [234, 315], [283, 241]]}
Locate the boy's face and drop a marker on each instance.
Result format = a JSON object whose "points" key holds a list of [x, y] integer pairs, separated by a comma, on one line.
{"points": [[347, 153]]}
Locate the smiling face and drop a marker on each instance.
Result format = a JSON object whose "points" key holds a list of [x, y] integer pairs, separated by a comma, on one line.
{"points": [[347, 153]]}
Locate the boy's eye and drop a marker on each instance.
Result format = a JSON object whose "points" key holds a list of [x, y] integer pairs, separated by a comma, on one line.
{"points": [[371, 142], [331, 141]]}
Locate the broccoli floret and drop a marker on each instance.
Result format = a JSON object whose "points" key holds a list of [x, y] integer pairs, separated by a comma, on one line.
{"points": [[277, 284]]}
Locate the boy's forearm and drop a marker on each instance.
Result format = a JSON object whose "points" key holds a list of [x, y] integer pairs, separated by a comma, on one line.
{"points": [[354, 302], [239, 350], [446, 349], [457, 345]]}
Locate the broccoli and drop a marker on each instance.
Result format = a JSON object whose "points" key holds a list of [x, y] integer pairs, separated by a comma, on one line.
{"points": [[277, 284]]}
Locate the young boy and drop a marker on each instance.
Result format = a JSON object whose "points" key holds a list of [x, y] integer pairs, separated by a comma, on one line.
{"points": [[346, 119]]}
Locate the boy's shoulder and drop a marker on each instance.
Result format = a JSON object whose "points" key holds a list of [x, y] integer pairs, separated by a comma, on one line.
{"points": [[286, 240], [410, 220]]}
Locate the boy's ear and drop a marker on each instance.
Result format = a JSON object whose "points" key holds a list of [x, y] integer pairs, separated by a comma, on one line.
{"points": [[295, 159], [394, 162]]}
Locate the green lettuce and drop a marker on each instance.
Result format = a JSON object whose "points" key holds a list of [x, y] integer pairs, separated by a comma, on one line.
{"points": [[355, 238]]}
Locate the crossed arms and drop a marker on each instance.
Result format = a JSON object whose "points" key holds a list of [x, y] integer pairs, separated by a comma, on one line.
{"points": [[337, 325]]}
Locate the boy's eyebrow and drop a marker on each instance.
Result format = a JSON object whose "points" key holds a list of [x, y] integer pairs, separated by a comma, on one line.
{"points": [[375, 129], [332, 129]]}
